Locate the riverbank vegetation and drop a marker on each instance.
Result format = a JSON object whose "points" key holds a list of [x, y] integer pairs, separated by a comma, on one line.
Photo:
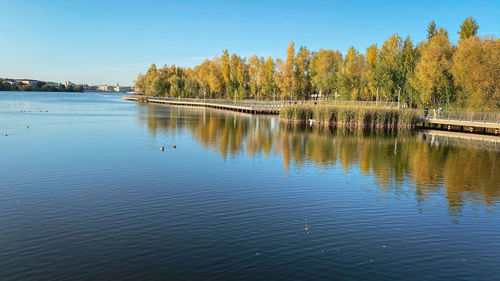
{"points": [[351, 116], [39, 87], [434, 72]]}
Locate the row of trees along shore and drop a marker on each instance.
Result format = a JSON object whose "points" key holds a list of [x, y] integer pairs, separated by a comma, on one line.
{"points": [[434, 72], [40, 87]]}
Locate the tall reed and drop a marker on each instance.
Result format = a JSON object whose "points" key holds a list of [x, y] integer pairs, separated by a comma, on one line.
{"points": [[351, 116], [142, 99]]}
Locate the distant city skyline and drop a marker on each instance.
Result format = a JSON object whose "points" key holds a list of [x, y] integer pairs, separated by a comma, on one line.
{"points": [[109, 42], [66, 82]]}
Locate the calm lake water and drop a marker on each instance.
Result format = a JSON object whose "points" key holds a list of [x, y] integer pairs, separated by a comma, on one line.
{"points": [[86, 193]]}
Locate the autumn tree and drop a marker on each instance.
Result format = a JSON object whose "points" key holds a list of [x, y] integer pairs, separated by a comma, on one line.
{"points": [[476, 70], [281, 79], [289, 73], [352, 78], [269, 85], [152, 77], [139, 85], [432, 76], [216, 81], [428, 73], [324, 71], [204, 77], [254, 64]]}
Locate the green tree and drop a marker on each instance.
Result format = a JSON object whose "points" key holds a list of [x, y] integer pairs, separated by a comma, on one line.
{"points": [[431, 30], [233, 85], [175, 86], [371, 89], [78, 88], [408, 62], [192, 88], [302, 78], [157, 87], [468, 28], [388, 68], [243, 78], [226, 70]]}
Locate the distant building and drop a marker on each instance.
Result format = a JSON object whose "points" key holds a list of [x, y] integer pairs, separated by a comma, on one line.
{"points": [[36, 83], [122, 89], [10, 81], [105, 88], [31, 82], [53, 84]]}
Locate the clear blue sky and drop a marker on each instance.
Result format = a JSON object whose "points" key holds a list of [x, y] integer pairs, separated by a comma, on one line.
{"points": [[103, 41]]}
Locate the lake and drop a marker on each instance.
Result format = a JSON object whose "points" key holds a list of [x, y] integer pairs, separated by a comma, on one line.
{"points": [[86, 194]]}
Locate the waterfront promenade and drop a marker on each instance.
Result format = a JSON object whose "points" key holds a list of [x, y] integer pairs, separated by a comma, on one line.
{"points": [[468, 121], [252, 107], [474, 122]]}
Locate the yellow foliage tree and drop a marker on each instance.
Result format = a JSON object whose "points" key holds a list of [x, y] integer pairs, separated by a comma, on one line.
{"points": [[476, 70], [432, 73]]}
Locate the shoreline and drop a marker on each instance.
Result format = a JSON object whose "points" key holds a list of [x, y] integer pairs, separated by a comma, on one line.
{"points": [[335, 115]]}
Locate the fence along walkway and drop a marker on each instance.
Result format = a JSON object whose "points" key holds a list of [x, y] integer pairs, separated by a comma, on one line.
{"points": [[251, 106], [466, 120]]}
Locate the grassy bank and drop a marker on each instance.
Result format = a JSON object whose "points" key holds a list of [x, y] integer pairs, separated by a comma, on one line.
{"points": [[351, 116]]}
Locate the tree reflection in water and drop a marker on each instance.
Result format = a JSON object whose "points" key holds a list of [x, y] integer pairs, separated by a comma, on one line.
{"points": [[468, 172]]}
